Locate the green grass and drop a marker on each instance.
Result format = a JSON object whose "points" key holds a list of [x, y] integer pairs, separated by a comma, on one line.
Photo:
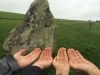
{"points": [[71, 34], [11, 15]]}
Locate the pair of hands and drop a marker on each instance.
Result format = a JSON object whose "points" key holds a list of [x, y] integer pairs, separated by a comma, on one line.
{"points": [[62, 62], [76, 61], [24, 61], [44, 61]]}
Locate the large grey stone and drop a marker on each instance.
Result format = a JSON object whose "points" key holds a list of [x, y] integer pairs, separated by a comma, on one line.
{"points": [[36, 30]]}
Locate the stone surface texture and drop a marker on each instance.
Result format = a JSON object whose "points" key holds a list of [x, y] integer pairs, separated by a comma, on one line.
{"points": [[36, 30]]}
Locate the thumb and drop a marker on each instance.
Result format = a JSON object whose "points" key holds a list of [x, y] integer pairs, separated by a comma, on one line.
{"points": [[21, 52], [55, 59]]}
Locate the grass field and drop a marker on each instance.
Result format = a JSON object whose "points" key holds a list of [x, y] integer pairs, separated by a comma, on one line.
{"points": [[71, 34], [11, 15]]}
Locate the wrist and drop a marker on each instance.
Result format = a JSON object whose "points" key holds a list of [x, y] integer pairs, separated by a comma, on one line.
{"points": [[37, 66], [58, 72], [61, 72], [94, 72]]}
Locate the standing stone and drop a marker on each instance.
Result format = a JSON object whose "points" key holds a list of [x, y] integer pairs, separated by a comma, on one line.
{"points": [[36, 30], [90, 24]]}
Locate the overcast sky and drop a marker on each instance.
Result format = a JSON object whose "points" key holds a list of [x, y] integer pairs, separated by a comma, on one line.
{"points": [[64, 9]]}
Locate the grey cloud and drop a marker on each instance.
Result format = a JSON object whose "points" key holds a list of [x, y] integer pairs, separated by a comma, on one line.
{"points": [[79, 9], [66, 9]]}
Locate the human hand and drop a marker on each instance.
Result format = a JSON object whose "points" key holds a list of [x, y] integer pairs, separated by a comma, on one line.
{"points": [[45, 59], [24, 61], [60, 62], [79, 63]]}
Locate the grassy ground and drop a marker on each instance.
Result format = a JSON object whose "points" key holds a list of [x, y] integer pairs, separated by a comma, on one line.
{"points": [[10, 15], [72, 34]]}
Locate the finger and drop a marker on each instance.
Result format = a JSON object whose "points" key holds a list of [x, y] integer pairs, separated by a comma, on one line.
{"points": [[49, 53], [79, 55], [59, 54], [46, 53], [62, 54], [55, 59], [70, 55], [65, 55], [32, 52], [41, 56], [70, 63], [21, 52], [74, 53]]}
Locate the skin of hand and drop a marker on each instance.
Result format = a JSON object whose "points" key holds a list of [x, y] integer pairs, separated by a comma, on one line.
{"points": [[60, 62], [45, 59], [80, 64], [24, 61]]}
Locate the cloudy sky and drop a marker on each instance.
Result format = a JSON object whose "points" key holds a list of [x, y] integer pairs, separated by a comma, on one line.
{"points": [[64, 9]]}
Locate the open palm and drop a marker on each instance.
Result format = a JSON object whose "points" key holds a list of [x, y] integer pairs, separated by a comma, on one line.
{"points": [[79, 63], [45, 59], [24, 61], [60, 62]]}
